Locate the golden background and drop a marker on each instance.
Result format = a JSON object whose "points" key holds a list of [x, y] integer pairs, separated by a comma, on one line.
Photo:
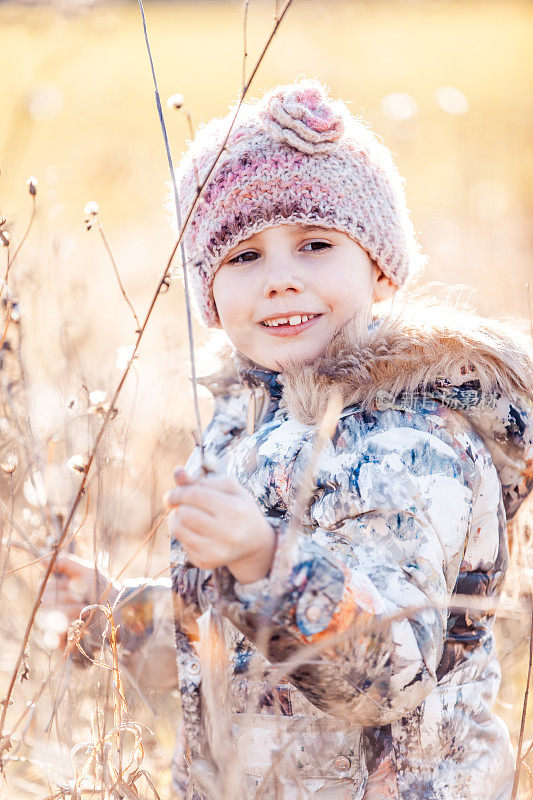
{"points": [[449, 88]]}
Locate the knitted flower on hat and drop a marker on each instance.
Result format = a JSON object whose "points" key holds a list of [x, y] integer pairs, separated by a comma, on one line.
{"points": [[295, 156], [303, 119]]}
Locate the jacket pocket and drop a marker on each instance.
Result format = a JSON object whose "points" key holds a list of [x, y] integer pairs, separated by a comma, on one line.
{"points": [[323, 751]]}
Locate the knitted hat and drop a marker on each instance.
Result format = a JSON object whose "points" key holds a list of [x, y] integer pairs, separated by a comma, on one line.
{"points": [[295, 156]]}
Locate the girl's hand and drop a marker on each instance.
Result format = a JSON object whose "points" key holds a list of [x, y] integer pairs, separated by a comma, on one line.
{"points": [[74, 584], [219, 524]]}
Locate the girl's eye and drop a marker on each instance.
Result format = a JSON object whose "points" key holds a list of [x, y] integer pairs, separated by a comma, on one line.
{"points": [[315, 246], [243, 258]]}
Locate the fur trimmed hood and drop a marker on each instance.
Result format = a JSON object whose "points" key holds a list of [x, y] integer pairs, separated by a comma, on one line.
{"points": [[420, 346], [482, 367], [422, 343]]}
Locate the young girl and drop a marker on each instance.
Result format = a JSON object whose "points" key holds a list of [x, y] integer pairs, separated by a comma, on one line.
{"points": [[358, 612]]}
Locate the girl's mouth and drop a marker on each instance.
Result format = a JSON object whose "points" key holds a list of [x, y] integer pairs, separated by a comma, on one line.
{"points": [[290, 326]]}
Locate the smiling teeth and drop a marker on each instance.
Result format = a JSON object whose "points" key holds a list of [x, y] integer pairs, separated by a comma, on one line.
{"points": [[295, 320]]}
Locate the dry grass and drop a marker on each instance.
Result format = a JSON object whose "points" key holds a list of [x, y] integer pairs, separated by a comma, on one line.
{"points": [[78, 113]]}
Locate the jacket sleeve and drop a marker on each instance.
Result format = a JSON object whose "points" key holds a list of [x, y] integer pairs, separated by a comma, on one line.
{"points": [[367, 575]]}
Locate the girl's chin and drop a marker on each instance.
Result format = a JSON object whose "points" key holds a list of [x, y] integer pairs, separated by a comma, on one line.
{"points": [[290, 357]]}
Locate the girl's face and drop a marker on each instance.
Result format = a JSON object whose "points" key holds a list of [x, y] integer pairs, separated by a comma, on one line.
{"points": [[283, 293]]}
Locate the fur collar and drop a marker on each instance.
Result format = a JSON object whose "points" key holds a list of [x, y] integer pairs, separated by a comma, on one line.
{"points": [[423, 342], [409, 350]]}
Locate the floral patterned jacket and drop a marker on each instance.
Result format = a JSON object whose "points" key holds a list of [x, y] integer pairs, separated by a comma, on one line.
{"points": [[363, 665]]}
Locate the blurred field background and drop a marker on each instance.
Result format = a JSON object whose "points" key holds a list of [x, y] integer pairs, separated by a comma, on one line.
{"points": [[449, 87]]}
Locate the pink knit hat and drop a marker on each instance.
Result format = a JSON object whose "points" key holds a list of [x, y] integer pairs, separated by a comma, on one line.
{"points": [[295, 156]]}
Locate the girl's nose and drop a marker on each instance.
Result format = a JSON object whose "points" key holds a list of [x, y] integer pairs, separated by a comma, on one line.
{"points": [[282, 281]]}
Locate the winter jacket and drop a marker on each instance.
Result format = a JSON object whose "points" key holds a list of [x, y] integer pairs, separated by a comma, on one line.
{"points": [[364, 665]]}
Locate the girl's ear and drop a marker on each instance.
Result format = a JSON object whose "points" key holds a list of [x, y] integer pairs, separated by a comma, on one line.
{"points": [[383, 286]]}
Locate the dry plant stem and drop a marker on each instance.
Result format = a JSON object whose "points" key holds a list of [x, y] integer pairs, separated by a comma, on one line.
{"points": [[32, 457], [135, 685], [530, 308], [27, 564], [245, 43], [149, 536], [8, 261], [7, 547], [519, 755], [6, 328], [46, 555], [273, 766], [191, 134], [526, 753], [307, 653], [101, 599], [325, 431], [149, 782], [36, 697], [126, 438], [62, 691], [101, 746], [104, 593], [42, 765], [163, 281], [81, 490], [28, 546], [117, 274], [182, 226], [11, 261], [9, 306]]}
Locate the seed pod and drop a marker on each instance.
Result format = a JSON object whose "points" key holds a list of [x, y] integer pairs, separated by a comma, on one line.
{"points": [[77, 463], [175, 101], [9, 464], [32, 185], [14, 311], [91, 209]]}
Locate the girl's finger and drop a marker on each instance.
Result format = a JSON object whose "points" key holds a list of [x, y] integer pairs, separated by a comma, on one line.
{"points": [[197, 521], [181, 477], [221, 483], [202, 556], [210, 497], [198, 495], [213, 482]]}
